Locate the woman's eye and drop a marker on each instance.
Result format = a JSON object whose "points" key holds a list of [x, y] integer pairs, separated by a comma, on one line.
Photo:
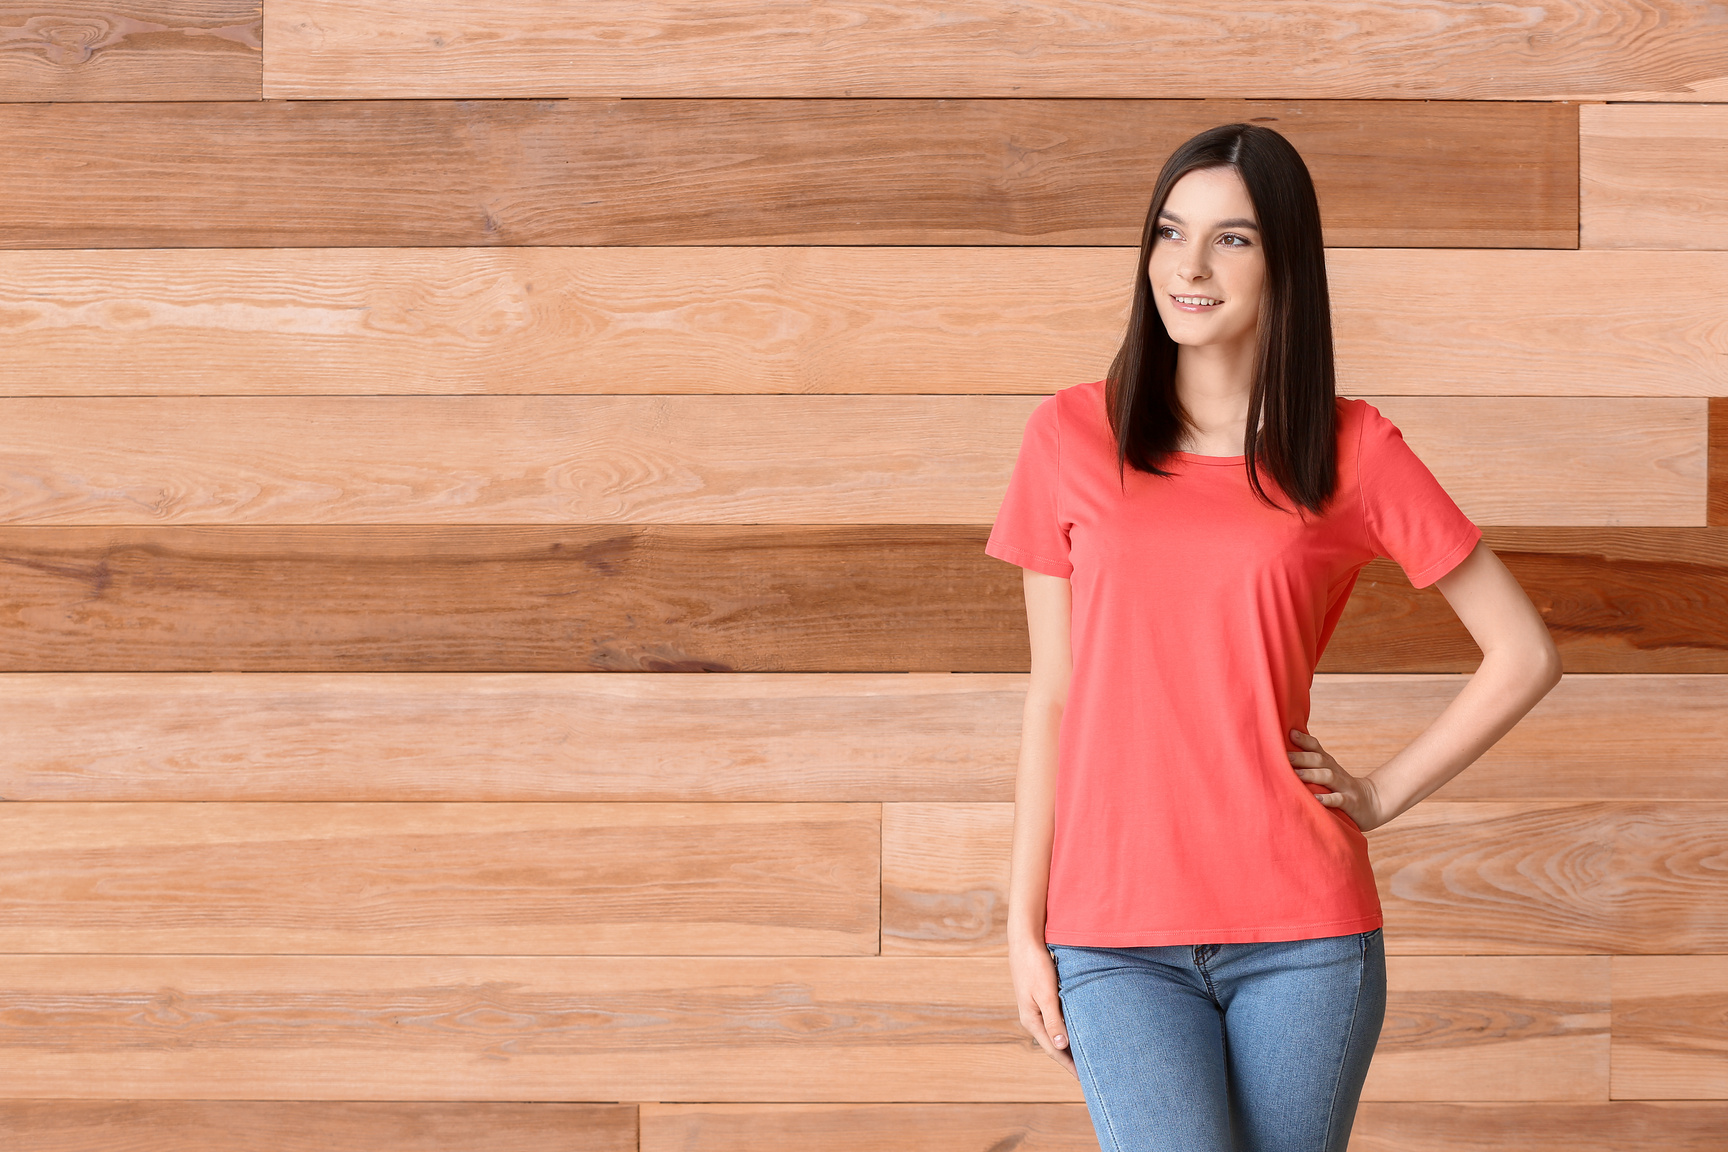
{"points": [[1233, 236], [1166, 228]]}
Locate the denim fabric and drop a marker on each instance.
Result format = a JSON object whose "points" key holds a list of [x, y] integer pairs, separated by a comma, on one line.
{"points": [[1257, 1047]]}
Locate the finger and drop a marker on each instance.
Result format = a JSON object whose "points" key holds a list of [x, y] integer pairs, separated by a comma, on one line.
{"points": [[1051, 1007]]}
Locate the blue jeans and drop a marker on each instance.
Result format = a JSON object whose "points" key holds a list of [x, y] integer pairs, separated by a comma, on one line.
{"points": [[1224, 1047]]}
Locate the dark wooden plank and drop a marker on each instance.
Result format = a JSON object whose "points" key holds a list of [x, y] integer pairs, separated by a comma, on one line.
{"points": [[1381, 1126], [1419, 51], [1653, 177], [1506, 460], [872, 319], [767, 598], [1455, 878], [691, 172], [151, 50], [313, 1126], [1671, 1027], [786, 737], [797, 1030], [430, 879]]}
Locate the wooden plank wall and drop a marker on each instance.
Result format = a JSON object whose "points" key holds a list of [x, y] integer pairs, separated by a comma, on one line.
{"points": [[398, 394]]}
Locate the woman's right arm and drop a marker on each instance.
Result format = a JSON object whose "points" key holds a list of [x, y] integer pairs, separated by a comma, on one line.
{"points": [[1047, 622]]}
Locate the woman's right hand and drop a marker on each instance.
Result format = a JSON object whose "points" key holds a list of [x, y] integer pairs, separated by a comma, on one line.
{"points": [[1034, 973]]}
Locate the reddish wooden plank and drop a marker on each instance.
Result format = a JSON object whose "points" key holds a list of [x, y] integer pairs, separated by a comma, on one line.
{"points": [[313, 1126], [1671, 1026], [317, 173], [1415, 51], [430, 879]]}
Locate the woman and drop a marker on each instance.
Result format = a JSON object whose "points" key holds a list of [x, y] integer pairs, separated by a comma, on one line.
{"points": [[1194, 928]]}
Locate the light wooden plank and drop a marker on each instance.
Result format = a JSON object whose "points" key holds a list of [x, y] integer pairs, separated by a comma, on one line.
{"points": [[861, 1029], [945, 879], [1493, 1028], [427, 879], [1653, 177], [867, 1128], [635, 736], [318, 49], [871, 319], [1381, 1126], [313, 1126], [789, 737], [1454, 878], [1516, 460], [1671, 1026], [155, 50], [318, 173]]}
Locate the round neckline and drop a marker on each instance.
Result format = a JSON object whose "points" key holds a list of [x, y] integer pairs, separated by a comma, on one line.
{"points": [[1216, 461]]}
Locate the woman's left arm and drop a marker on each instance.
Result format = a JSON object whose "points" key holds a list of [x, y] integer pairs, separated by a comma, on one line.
{"points": [[1520, 665]]}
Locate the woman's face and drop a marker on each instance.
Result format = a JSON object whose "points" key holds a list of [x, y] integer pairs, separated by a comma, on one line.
{"points": [[1207, 248]]}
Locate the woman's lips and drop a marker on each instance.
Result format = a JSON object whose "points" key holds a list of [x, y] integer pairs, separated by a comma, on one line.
{"points": [[1193, 307]]}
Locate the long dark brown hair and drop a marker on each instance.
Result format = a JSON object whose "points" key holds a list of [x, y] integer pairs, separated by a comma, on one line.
{"points": [[1295, 388]]}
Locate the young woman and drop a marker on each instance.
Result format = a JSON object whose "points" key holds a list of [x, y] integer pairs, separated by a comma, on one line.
{"points": [[1194, 929]]}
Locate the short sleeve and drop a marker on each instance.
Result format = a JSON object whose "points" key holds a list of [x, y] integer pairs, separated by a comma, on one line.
{"points": [[1028, 531], [1410, 518]]}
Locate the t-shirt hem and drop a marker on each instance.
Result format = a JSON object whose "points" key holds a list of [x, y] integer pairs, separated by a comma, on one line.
{"points": [[1027, 559], [1083, 939], [1447, 562]]}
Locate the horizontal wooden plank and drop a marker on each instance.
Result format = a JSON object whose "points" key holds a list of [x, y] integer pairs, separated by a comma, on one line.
{"points": [[313, 1126], [428, 879], [1477, 878], [1671, 1026], [156, 50], [1653, 177], [394, 48], [639, 736], [759, 598], [1506, 460], [914, 1029], [305, 321], [1381, 1126], [789, 737], [342, 173]]}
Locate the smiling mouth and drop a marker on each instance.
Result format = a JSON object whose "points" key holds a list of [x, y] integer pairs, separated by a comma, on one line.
{"points": [[1194, 299]]}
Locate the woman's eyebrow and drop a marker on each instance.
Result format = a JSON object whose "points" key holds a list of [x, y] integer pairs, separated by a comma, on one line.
{"points": [[1238, 222]]}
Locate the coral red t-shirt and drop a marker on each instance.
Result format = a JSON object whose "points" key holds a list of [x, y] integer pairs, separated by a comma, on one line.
{"points": [[1198, 616]]}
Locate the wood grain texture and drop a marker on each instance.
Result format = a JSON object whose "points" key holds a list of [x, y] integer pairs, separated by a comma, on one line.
{"points": [[154, 50], [313, 1126], [1680, 1126], [309, 174], [629, 736], [1653, 177], [945, 879], [1716, 511], [1381, 1126], [1615, 600], [1512, 460], [867, 1128], [804, 1030], [757, 598], [1453, 1024], [1027, 320], [787, 737], [1412, 50], [517, 1028], [430, 879], [1479, 878], [1671, 1027]]}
